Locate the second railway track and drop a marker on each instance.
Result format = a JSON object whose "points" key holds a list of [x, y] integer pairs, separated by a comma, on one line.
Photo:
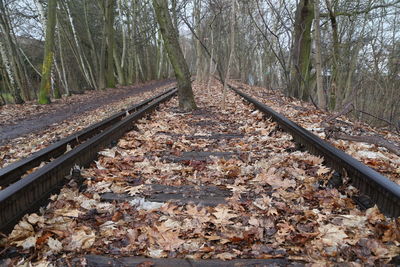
{"points": [[212, 185]]}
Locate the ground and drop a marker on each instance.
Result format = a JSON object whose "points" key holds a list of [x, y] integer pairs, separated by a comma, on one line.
{"points": [[312, 119], [210, 184], [18, 120], [30, 127]]}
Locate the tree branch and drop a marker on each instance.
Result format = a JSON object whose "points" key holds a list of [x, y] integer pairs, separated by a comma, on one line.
{"points": [[365, 11], [346, 109], [381, 119], [204, 46]]}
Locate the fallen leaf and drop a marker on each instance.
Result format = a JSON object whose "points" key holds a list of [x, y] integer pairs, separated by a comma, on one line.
{"points": [[225, 256], [134, 190], [54, 245], [223, 215], [332, 235]]}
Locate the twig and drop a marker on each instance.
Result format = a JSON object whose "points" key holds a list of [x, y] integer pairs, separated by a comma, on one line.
{"points": [[346, 109], [381, 119], [4, 250], [315, 104]]}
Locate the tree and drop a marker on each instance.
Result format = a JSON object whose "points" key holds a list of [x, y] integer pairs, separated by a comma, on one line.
{"points": [[318, 58], [301, 50], [175, 54], [106, 78], [45, 85], [11, 58], [110, 16], [232, 47]]}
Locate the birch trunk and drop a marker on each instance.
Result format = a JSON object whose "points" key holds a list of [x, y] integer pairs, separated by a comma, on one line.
{"points": [[87, 72], [13, 86]]}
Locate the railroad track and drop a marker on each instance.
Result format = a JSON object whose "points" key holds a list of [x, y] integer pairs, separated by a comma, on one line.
{"points": [[22, 196], [382, 191]]}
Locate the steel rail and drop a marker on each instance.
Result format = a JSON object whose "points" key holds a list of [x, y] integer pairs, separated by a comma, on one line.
{"points": [[14, 171], [28, 194], [382, 191]]}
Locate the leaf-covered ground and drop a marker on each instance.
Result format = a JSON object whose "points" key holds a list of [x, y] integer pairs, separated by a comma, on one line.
{"points": [[305, 114], [25, 145], [215, 183]]}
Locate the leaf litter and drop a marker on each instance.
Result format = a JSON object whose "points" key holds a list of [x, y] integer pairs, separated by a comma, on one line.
{"points": [[279, 206], [307, 116], [24, 146]]}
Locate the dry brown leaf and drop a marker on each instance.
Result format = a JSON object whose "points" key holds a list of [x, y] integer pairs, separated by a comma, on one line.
{"points": [[223, 215], [225, 256]]}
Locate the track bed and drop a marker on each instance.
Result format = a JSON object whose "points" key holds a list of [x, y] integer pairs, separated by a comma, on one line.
{"points": [[214, 185]]}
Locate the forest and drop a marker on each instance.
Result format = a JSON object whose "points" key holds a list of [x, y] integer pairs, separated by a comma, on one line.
{"points": [[336, 54]]}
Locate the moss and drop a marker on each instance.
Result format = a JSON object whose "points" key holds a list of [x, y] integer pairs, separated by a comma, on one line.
{"points": [[7, 97], [302, 51], [171, 41], [45, 84]]}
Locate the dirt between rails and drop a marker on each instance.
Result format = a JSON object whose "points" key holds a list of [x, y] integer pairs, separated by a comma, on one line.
{"points": [[40, 117]]}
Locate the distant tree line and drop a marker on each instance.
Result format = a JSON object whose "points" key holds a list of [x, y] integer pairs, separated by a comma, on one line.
{"points": [[94, 45], [329, 52]]}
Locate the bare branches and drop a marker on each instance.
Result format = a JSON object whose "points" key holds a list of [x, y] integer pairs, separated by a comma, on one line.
{"points": [[366, 10], [346, 109], [205, 47]]}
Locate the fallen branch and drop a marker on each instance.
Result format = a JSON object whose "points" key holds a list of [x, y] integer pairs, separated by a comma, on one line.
{"points": [[375, 140], [315, 104], [346, 109]]}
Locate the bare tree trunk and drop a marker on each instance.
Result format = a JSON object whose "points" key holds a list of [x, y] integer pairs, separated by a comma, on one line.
{"points": [[102, 64], [232, 44], [13, 86], [301, 51], [16, 72], [318, 58], [110, 14], [63, 72], [197, 11], [335, 57], [160, 57], [94, 55], [210, 72], [121, 75], [45, 85], [171, 42], [81, 57]]}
